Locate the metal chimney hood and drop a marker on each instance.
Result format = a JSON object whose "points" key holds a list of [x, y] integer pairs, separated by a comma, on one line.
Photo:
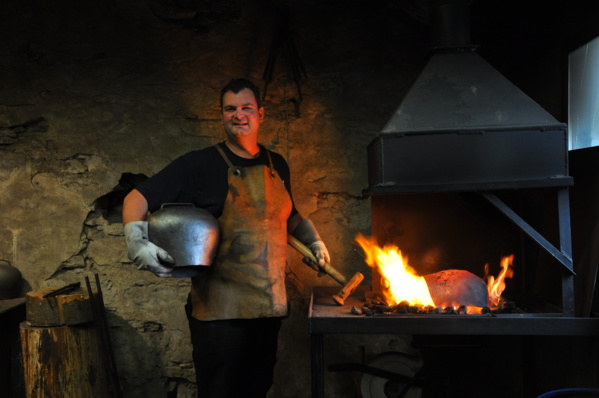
{"points": [[463, 126], [461, 91]]}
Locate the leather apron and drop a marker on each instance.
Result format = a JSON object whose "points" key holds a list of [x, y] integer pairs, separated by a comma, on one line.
{"points": [[247, 278]]}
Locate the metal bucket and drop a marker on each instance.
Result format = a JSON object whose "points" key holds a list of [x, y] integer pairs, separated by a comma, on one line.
{"points": [[188, 233]]}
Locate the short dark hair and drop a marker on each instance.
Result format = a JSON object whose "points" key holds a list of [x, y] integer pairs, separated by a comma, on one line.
{"points": [[236, 85]]}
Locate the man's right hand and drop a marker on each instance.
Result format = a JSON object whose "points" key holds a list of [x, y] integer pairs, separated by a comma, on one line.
{"points": [[145, 254]]}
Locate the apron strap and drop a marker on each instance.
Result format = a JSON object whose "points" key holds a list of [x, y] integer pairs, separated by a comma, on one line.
{"points": [[236, 169], [270, 165]]}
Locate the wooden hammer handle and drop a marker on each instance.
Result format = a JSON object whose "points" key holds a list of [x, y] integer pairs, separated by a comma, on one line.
{"points": [[300, 247]]}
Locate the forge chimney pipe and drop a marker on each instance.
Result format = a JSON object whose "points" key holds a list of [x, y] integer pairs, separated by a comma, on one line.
{"points": [[450, 25]]}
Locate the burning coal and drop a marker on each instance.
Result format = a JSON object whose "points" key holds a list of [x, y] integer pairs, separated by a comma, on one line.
{"points": [[455, 289]]}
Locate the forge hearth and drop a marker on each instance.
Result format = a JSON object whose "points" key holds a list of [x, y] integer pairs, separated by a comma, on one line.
{"points": [[464, 231], [325, 317], [376, 305], [463, 146]]}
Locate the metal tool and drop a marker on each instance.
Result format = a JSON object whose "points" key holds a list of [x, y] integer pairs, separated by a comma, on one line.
{"points": [[101, 324], [63, 290], [310, 260], [283, 41]]}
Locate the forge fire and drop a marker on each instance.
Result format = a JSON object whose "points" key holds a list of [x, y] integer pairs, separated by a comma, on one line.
{"points": [[448, 291]]}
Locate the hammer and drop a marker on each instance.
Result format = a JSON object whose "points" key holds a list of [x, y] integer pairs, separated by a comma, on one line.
{"points": [[348, 286]]}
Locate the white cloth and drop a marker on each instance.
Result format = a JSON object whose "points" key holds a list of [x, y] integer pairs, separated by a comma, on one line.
{"points": [[306, 233], [146, 255]]}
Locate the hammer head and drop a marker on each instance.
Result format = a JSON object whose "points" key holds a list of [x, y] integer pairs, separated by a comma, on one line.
{"points": [[348, 289], [339, 300]]}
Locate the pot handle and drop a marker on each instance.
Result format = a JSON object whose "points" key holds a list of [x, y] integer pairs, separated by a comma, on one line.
{"points": [[164, 205]]}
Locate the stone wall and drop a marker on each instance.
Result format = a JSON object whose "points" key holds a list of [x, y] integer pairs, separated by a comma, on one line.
{"points": [[97, 95]]}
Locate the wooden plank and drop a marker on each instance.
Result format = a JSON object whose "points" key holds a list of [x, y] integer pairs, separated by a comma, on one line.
{"points": [[10, 304]]}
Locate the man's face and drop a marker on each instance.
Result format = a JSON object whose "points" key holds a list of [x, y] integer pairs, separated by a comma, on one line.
{"points": [[241, 115]]}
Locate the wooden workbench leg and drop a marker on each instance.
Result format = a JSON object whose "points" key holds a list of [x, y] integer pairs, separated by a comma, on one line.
{"points": [[317, 363]]}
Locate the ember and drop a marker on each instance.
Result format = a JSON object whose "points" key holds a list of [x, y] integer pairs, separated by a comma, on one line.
{"points": [[444, 292], [375, 304]]}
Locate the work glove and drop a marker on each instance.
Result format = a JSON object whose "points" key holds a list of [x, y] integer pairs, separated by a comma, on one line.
{"points": [[306, 233], [145, 254]]}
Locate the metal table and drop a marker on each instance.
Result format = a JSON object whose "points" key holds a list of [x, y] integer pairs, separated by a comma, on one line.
{"points": [[326, 317]]}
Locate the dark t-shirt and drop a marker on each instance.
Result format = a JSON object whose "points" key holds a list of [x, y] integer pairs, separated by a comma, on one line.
{"points": [[201, 177]]}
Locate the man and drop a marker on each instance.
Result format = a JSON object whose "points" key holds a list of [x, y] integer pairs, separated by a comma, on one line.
{"points": [[236, 306]]}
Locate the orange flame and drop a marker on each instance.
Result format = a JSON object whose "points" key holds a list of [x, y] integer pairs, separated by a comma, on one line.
{"points": [[497, 286], [399, 279]]}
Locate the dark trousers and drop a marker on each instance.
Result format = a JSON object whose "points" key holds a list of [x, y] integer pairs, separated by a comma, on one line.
{"points": [[234, 358]]}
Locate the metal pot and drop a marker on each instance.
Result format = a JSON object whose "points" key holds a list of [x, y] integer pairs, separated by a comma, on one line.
{"points": [[10, 282], [188, 233]]}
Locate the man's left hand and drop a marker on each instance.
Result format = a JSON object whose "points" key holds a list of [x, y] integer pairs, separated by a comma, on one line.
{"points": [[320, 252], [306, 233]]}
